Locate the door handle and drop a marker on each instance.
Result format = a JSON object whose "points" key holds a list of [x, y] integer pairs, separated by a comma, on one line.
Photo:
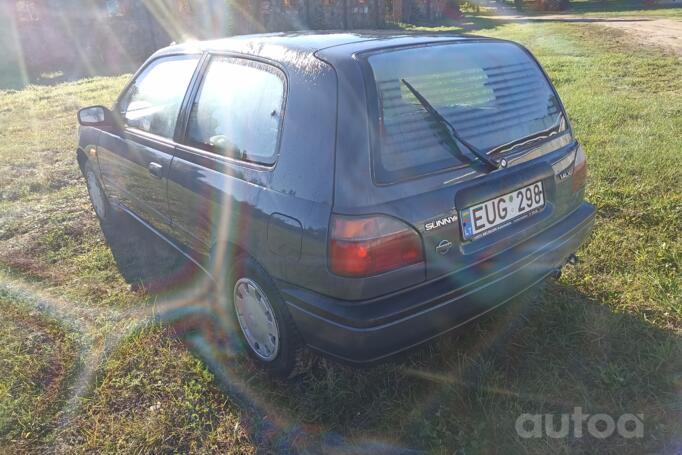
{"points": [[155, 169]]}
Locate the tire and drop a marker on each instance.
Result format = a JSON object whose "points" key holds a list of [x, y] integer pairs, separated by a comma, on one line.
{"points": [[246, 277], [98, 197]]}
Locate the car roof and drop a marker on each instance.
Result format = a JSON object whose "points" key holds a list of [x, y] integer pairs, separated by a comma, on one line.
{"points": [[298, 48]]}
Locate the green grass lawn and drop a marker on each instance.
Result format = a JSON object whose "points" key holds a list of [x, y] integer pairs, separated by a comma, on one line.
{"points": [[37, 358], [603, 8], [623, 8], [83, 368]]}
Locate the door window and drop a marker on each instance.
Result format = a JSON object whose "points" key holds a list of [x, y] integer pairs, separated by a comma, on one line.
{"points": [[152, 102], [238, 110]]}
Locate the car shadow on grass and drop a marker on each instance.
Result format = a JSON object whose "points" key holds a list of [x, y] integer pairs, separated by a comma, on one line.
{"points": [[549, 351], [145, 262]]}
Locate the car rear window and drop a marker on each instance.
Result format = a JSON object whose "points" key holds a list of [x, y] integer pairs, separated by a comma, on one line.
{"points": [[492, 93]]}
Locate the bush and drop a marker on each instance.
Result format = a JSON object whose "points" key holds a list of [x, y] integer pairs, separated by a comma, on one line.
{"points": [[553, 5]]}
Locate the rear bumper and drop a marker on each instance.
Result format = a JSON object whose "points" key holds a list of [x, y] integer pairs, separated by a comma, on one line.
{"points": [[367, 331]]}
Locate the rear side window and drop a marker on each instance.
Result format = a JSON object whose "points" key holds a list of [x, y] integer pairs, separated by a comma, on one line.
{"points": [[238, 110], [152, 102], [492, 93]]}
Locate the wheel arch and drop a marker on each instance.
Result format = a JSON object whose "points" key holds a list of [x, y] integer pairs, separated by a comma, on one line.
{"points": [[230, 252], [82, 158]]}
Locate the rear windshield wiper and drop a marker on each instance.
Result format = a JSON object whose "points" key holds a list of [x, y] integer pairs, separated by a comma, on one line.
{"points": [[452, 132], [558, 128]]}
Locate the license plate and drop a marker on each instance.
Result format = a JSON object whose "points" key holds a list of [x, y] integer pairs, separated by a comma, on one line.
{"points": [[493, 214]]}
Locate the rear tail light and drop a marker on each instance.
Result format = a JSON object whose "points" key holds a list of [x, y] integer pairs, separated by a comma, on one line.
{"points": [[579, 170], [366, 246]]}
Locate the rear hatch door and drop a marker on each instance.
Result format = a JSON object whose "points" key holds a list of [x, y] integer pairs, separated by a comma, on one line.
{"points": [[497, 100]]}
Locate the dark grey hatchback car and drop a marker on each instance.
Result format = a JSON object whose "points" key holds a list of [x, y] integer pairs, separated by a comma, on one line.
{"points": [[371, 191]]}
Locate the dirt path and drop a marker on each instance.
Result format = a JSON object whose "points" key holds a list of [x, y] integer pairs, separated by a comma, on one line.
{"points": [[663, 33]]}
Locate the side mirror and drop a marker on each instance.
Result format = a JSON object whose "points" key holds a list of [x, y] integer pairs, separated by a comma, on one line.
{"points": [[97, 116]]}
